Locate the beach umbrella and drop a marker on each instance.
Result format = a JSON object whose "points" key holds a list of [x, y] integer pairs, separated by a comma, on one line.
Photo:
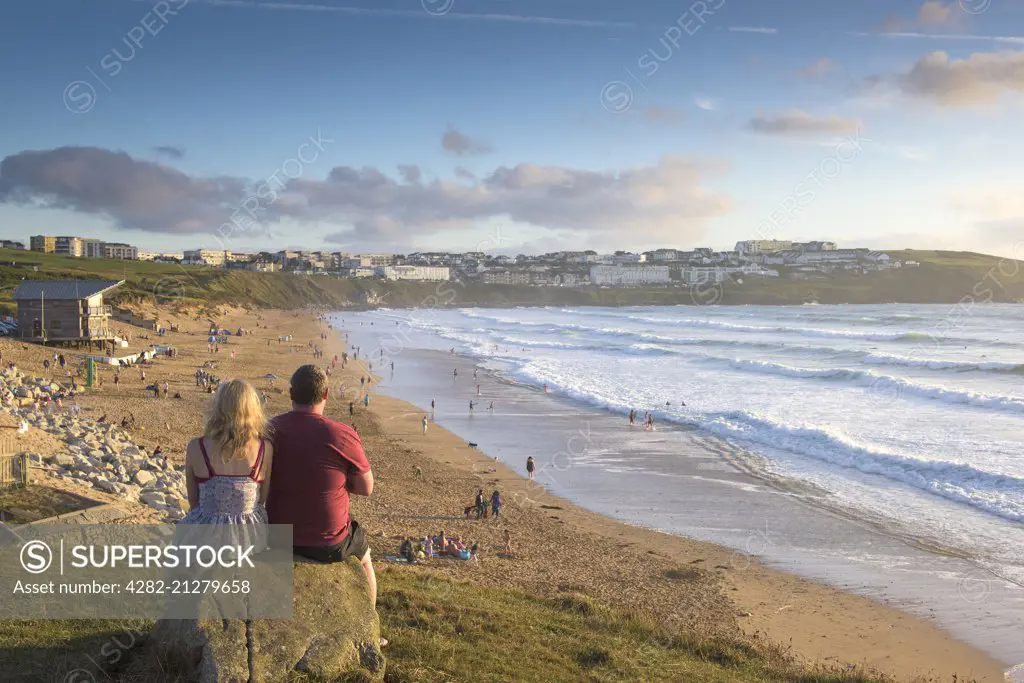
{"points": [[212, 339]]}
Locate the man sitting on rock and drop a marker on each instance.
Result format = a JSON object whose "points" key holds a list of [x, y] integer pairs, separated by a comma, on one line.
{"points": [[318, 462]]}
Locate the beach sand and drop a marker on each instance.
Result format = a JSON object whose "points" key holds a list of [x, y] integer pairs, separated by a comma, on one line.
{"points": [[557, 546]]}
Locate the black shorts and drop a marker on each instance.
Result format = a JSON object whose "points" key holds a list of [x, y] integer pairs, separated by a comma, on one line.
{"points": [[354, 544]]}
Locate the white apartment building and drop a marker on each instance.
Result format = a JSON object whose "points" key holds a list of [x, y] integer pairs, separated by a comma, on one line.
{"points": [[209, 257], [629, 276], [413, 272]]}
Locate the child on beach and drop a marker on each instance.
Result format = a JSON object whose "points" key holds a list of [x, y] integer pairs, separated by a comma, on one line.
{"points": [[508, 542], [529, 467]]}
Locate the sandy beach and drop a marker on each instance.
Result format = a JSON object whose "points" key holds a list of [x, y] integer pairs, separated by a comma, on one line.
{"points": [[557, 546]]}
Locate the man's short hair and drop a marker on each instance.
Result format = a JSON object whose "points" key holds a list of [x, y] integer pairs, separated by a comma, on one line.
{"points": [[309, 385]]}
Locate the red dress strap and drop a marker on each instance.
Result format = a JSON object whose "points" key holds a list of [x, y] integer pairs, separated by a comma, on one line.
{"points": [[206, 459], [258, 464]]}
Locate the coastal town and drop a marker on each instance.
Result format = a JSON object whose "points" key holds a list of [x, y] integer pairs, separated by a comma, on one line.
{"points": [[660, 267]]}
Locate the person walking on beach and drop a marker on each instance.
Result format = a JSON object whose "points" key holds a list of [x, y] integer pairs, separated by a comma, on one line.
{"points": [[481, 505], [471, 407], [351, 409], [632, 416], [366, 400], [495, 503], [529, 467], [319, 463], [477, 389], [424, 422], [455, 373]]}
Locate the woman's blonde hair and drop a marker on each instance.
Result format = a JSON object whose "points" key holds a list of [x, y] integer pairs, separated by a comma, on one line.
{"points": [[235, 418]]}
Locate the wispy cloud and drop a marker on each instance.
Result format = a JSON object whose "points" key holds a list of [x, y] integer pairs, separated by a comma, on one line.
{"points": [[916, 35], [753, 29], [705, 103], [819, 69], [420, 14], [170, 151], [798, 124]]}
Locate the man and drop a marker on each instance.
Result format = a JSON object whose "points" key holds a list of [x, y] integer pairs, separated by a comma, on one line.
{"points": [[318, 463]]}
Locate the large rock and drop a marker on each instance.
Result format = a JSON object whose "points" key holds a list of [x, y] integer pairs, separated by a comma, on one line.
{"points": [[334, 634]]}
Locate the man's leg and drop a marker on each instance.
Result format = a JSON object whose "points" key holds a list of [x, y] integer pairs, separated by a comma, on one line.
{"points": [[367, 564]]}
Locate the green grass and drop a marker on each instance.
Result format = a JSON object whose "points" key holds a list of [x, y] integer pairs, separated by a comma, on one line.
{"points": [[446, 631]]}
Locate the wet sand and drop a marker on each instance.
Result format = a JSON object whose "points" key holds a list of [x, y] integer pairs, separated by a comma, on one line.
{"points": [[677, 481]]}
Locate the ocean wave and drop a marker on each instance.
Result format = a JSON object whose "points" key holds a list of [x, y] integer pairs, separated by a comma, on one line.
{"points": [[998, 494], [884, 385], [941, 364]]}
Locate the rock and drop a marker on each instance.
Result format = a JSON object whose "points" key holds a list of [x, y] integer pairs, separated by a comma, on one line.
{"points": [[152, 498], [144, 478], [63, 460], [334, 634], [104, 485]]}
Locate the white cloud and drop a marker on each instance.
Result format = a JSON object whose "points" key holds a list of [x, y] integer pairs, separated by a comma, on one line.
{"points": [[705, 103], [753, 29], [982, 78]]}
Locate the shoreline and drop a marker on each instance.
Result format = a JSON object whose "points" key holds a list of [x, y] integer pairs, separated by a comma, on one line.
{"points": [[559, 545], [834, 630]]}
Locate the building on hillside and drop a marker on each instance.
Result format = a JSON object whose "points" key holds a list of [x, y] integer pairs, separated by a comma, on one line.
{"points": [[43, 243], [815, 246], [372, 260], [413, 272], [92, 248], [264, 266], [663, 255], [64, 310], [68, 245], [752, 247], [207, 257], [506, 277], [629, 276], [117, 250], [11, 244]]}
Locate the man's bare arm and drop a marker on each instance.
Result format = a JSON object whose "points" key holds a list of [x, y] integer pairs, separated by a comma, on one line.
{"points": [[360, 484]]}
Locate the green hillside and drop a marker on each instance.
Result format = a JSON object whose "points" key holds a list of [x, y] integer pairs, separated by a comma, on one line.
{"points": [[943, 277]]}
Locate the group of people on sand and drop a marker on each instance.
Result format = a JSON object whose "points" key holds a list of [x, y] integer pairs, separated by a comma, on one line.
{"points": [[648, 420], [442, 545]]}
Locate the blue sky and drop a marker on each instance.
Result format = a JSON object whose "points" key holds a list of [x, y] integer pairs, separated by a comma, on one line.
{"points": [[513, 125]]}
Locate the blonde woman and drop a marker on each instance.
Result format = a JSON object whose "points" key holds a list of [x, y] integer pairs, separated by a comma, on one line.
{"points": [[227, 470]]}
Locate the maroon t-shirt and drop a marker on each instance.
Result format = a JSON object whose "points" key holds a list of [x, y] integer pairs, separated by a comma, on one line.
{"points": [[313, 458]]}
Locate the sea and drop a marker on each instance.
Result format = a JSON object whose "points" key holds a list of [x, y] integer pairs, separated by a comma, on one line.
{"points": [[846, 424]]}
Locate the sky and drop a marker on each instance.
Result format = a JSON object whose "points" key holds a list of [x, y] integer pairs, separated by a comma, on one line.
{"points": [[513, 126]]}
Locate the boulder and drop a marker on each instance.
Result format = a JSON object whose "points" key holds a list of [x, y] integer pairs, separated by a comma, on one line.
{"points": [[144, 478], [333, 634]]}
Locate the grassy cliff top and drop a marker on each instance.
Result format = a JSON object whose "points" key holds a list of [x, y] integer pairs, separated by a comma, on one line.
{"points": [[943, 277]]}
